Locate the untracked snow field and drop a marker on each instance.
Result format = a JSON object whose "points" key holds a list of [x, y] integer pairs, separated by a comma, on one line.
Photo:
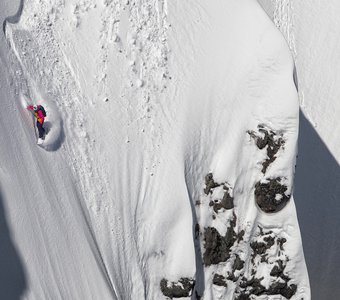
{"points": [[169, 164]]}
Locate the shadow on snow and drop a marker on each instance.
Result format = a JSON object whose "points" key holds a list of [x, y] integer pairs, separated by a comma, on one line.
{"points": [[317, 195], [12, 277]]}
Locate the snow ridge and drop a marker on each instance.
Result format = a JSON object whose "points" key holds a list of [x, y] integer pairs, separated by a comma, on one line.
{"points": [[284, 20]]}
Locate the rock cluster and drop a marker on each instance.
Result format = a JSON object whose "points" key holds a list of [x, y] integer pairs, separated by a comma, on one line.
{"points": [[226, 202], [182, 288], [271, 196], [272, 141], [263, 243], [218, 247], [270, 193]]}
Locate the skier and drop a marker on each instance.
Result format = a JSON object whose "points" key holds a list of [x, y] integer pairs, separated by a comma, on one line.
{"points": [[40, 114]]}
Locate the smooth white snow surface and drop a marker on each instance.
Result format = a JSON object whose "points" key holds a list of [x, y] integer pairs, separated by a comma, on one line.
{"points": [[144, 99]]}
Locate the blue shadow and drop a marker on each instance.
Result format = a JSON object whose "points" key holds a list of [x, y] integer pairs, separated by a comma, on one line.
{"points": [[317, 197], [12, 277]]}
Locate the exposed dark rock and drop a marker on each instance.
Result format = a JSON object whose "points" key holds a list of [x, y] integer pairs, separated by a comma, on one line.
{"points": [[270, 240], [271, 140], [260, 248], [276, 287], [282, 288], [254, 287], [278, 269], [280, 242], [279, 281], [238, 264], [232, 277], [270, 196], [264, 233], [240, 236], [220, 280], [182, 288], [227, 201], [289, 291], [217, 247], [243, 296], [210, 183]]}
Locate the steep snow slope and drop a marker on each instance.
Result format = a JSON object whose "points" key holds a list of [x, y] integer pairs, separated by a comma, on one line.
{"points": [[57, 252], [159, 114], [311, 29]]}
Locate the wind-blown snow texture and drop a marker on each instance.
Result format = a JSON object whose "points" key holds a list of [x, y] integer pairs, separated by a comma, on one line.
{"points": [[168, 169]]}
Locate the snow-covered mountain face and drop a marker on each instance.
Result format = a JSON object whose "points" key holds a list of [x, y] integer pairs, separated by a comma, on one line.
{"points": [[168, 168], [311, 29]]}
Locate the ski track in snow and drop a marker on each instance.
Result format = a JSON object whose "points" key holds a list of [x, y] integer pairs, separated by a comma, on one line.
{"points": [[33, 79], [141, 110], [64, 91]]}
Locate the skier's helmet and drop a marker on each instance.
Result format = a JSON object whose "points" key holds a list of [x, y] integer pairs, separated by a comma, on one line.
{"points": [[35, 107]]}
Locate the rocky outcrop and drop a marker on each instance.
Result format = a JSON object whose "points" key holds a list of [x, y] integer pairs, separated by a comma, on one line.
{"points": [[210, 184], [220, 280], [271, 196], [238, 261], [217, 202], [262, 244], [182, 288], [218, 247], [269, 139], [254, 287]]}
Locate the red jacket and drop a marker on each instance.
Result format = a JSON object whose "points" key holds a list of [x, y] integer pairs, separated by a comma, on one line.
{"points": [[38, 114]]}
